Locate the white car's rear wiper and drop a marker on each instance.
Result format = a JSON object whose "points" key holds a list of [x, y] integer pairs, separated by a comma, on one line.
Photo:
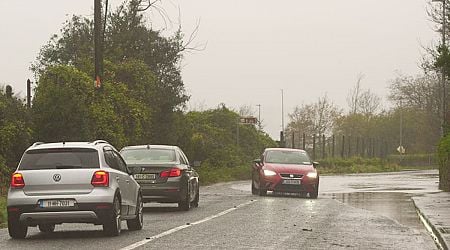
{"points": [[67, 166]]}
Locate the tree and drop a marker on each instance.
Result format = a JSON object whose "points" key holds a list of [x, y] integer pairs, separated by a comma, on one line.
{"points": [[60, 110], [362, 101], [128, 42], [314, 119], [66, 108], [15, 132]]}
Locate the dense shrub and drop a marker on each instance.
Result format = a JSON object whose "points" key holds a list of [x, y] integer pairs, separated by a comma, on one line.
{"points": [[444, 163]]}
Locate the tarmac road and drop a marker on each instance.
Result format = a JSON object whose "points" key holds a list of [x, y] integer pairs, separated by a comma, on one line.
{"points": [[369, 211]]}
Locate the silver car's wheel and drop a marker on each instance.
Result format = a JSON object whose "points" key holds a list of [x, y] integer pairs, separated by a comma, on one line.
{"points": [[138, 222], [16, 229], [112, 226]]}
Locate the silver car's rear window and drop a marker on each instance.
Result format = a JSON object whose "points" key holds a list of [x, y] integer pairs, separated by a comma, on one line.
{"points": [[64, 158], [145, 156]]}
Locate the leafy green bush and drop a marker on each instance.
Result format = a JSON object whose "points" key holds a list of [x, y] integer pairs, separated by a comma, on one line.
{"points": [[444, 163]]}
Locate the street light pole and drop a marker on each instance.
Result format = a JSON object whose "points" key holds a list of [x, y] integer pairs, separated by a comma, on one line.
{"points": [[444, 83], [282, 118]]}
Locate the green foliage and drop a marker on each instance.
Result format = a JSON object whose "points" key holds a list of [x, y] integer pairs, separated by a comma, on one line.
{"points": [[135, 55], [210, 175], [213, 138], [60, 105], [15, 132], [444, 163], [3, 213], [355, 165]]}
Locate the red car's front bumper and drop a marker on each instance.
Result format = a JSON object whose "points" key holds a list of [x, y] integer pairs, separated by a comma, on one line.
{"points": [[275, 183]]}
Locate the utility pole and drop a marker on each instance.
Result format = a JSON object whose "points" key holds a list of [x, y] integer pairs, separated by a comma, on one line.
{"points": [[28, 93], [259, 116], [98, 43]]}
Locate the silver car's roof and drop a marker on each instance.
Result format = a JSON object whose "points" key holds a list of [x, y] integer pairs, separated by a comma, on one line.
{"points": [[54, 145]]}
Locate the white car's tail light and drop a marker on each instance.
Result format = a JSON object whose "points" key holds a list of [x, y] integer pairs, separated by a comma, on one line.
{"points": [[100, 179], [17, 181]]}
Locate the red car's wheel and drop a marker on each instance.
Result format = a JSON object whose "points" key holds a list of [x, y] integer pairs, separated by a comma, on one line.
{"points": [[262, 191], [315, 194]]}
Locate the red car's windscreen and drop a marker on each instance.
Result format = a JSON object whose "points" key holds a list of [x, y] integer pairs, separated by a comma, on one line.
{"points": [[287, 157]]}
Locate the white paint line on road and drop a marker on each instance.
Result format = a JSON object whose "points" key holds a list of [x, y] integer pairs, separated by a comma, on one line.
{"points": [[176, 229]]}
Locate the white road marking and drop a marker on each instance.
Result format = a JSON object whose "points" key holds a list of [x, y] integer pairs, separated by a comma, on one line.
{"points": [[176, 229]]}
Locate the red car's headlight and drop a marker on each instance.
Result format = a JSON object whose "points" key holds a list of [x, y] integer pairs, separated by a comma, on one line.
{"points": [[312, 175], [269, 172]]}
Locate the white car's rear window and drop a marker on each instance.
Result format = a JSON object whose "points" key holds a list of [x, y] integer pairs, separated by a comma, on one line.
{"points": [[64, 158]]}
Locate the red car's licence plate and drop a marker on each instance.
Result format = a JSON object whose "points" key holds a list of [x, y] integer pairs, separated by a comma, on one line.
{"points": [[292, 182]]}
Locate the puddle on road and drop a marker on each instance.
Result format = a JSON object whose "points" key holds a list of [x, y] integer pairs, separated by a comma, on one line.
{"points": [[397, 206]]}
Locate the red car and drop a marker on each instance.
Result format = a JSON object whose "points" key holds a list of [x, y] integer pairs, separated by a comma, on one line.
{"points": [[285, 170]]}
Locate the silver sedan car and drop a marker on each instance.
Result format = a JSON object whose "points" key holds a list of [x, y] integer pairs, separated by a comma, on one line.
{"points": [[164, 174], [79, 182]]}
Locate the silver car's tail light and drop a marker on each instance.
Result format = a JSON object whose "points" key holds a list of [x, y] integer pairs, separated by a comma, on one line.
{"points": [[173, 172], [100, 179], [17, 181]]}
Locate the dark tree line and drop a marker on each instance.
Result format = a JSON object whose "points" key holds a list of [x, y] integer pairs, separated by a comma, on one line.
{"points": [[141, 101]]}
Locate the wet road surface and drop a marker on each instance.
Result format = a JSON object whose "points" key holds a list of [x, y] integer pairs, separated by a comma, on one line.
{"points": [[352, 212]]}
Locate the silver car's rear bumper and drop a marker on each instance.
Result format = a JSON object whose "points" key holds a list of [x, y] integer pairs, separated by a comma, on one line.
{"points": [[59, 217]]}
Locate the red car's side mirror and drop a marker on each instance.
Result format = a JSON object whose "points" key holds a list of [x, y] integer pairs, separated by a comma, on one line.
{"points": [[257, 162]]}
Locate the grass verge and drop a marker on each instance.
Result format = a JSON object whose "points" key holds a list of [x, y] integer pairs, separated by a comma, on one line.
{"points": [[211, 175], [3, 214]]}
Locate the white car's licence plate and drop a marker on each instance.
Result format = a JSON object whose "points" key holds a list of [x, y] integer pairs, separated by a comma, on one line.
{"points": [[144, 176], [56, 203], [292, 182]]}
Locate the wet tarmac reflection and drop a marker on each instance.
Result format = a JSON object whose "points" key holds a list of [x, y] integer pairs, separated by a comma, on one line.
{"points": [[397, 206]]}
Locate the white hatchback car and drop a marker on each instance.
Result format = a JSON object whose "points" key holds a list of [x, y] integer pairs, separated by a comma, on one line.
{"points": [[73, 182]]}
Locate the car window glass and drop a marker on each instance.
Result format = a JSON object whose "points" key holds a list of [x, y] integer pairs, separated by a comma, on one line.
{"points": [[183, 156], [111, 160], [59, 159], [146, 156], [287, 157], [182, 160], [122, 165]]}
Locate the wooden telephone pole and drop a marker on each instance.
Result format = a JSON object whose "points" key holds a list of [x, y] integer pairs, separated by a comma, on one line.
{"points": [[98, 43]]}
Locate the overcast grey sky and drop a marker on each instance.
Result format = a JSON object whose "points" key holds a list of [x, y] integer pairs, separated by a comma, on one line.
{"points": [[255, 47]]}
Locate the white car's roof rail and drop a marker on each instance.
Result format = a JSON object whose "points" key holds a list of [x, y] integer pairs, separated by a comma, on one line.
{"points": [[37, 143], [100, 141]]}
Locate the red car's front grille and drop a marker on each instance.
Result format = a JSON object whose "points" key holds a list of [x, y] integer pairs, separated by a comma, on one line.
{"points": [[292, 176]]}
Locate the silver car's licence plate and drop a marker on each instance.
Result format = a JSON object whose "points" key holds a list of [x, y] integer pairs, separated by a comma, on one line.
{"points": [[144, 176], [56, 203], [292, 182]]}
